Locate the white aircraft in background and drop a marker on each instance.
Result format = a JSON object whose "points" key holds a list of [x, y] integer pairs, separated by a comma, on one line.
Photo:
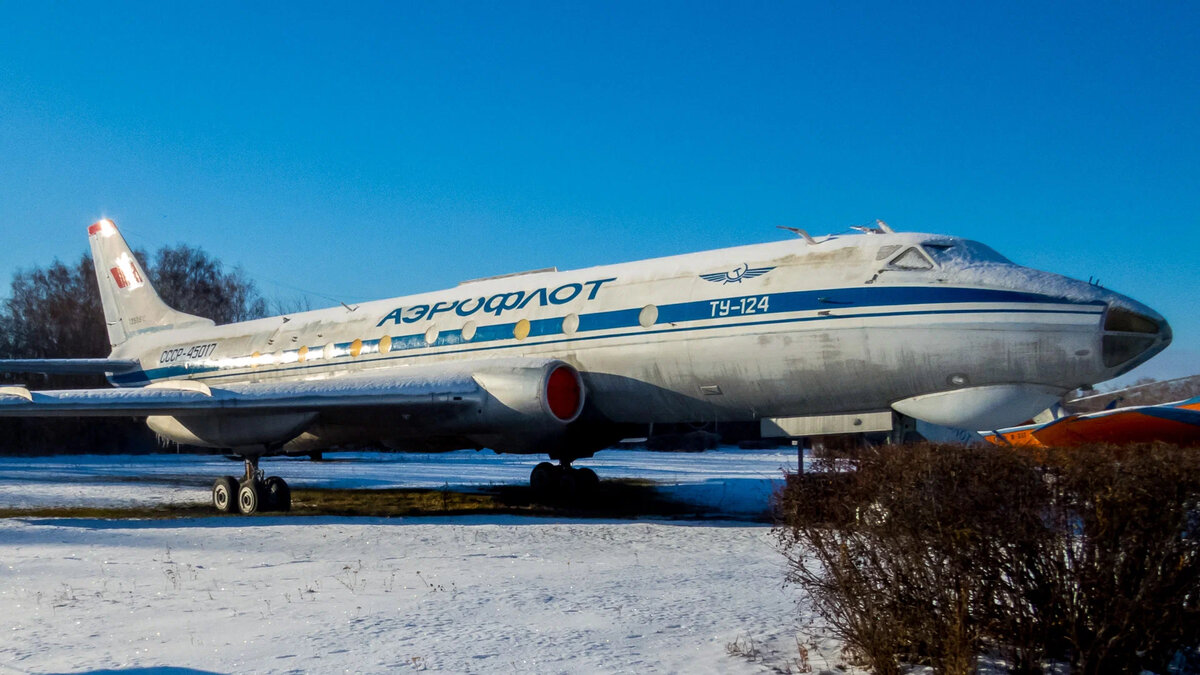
{"points": [[804, 337]]}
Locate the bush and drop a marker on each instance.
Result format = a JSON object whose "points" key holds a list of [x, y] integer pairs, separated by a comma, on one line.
{"points": [[1126, 554], [937, 554]]}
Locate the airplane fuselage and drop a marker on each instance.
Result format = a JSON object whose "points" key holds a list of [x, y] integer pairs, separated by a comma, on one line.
{"points": [[937, 327]]}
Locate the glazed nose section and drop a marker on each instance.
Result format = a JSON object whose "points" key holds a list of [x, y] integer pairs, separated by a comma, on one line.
{"points": [[1132, 336]]}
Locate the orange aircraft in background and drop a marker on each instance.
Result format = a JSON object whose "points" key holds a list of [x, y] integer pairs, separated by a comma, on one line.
{"points": [[1177, 422]]}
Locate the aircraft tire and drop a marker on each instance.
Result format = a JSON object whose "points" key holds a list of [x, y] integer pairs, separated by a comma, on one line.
{"points": [[568, 483], [278, 494], [543, 477], [586, 481], [224, 494], [249, 498]]}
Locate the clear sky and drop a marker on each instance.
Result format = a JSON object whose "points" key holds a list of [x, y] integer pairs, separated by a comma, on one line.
{"points": [[361, 150]]}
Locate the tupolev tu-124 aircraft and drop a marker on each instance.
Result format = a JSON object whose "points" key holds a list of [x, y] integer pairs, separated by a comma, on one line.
{"points": [[801, 336]]}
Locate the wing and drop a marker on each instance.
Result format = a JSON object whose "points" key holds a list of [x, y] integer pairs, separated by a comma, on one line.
{"points": [[193, 397], [68, 366], [442, 385], [715, 277], [502, 397]]}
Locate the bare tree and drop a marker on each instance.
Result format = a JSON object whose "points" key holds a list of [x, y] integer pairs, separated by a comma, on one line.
{"points": [[54, 313], [191, 281]]}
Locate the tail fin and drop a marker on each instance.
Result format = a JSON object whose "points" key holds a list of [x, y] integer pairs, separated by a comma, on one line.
{"points": [[131, 305]]}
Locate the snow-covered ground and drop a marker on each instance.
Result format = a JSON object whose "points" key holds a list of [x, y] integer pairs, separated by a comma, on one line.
{"points": [[462, 594]]}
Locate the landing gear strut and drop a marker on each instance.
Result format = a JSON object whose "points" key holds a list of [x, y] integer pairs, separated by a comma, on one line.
{"points": [[252, 493], [549, 478]]}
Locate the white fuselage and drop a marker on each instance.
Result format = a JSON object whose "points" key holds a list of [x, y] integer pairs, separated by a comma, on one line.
{"points": [[847, 324]]}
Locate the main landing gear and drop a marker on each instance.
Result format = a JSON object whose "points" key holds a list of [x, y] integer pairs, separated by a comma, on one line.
{"points": [[562, 479], [252, 493]]}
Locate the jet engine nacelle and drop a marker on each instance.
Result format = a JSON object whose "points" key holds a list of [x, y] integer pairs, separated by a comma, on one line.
{"points": [[552, 392], [524, 408]]}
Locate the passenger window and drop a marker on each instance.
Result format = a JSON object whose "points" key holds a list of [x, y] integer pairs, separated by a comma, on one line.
{"points": [[521, 329]]}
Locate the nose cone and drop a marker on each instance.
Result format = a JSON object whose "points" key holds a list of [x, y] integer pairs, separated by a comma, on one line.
{"points": [[1133, 333]]}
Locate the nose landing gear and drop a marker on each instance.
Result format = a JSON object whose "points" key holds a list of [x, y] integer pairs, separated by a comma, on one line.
{"points": [[252, 493]]}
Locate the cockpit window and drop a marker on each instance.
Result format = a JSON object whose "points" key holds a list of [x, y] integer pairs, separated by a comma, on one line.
{"points": [[886, 252], [959, 252], [941, 253], [911, 259]]}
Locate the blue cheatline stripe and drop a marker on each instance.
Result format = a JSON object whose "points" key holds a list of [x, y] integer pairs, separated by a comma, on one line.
{"points": [[842, 300], [620, 318]]}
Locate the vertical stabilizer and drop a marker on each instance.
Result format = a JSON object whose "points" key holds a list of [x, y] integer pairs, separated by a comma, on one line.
{"points": [[131, 305]]}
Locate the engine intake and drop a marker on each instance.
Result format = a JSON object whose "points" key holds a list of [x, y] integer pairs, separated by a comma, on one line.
{"points": [[527, 407], [550, 392]]}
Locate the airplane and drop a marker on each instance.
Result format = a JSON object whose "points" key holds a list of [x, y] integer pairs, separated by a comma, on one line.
{"points": [[1177, 422], [806, 335]]}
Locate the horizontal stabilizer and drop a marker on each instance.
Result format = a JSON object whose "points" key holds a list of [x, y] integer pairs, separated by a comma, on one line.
{"points": [[68, 366]]}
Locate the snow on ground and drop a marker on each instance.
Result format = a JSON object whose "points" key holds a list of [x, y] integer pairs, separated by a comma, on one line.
{"points": [[328, 594]]}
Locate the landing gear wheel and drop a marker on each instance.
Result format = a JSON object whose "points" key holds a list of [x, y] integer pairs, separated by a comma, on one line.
{"points": [[279, 495], [224, 494], [248, 498], [544, 477], [568, 483], [586, 481]]}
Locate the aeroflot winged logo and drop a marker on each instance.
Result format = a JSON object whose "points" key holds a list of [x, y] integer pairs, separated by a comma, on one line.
{"points": [[499, 303], [736, 275]]}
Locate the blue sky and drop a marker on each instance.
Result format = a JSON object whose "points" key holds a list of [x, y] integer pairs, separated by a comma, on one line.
{"points": [[367, 150]]}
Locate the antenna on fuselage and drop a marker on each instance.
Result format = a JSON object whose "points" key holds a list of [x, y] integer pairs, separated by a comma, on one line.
{"points": [[879, 227], [798, 232]]}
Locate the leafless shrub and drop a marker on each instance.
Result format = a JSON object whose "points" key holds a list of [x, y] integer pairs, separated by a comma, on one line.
{"points": [[1126, 554], [937, 554]]}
